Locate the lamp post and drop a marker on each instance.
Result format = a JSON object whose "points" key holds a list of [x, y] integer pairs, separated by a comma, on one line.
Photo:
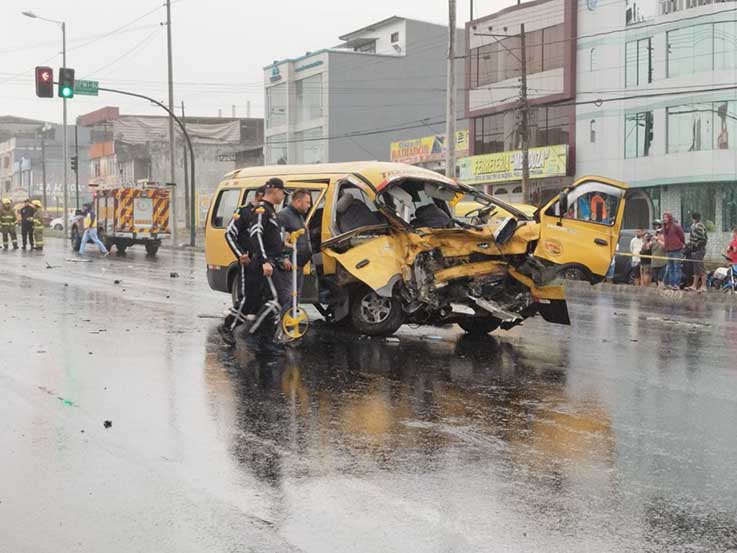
{"points": [[65, 148]]}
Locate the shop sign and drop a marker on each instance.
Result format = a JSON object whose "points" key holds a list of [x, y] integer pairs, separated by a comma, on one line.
{"points": [[548, 161], [426, 148]]}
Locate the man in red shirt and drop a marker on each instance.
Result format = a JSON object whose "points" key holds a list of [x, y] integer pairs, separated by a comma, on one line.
{"points": [[674, 240], [732, 248]]}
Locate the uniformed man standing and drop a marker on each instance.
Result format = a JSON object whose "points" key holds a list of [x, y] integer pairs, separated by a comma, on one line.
{"points": [[26, 222], [240, 244], [38, 226], [7, 224], [256, 239]]}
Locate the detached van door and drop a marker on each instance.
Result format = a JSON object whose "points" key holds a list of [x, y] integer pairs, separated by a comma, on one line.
{"points": [[585, 235]]}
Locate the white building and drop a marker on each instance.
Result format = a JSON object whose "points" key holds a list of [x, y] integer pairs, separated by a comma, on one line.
{"points": [[675, 139], [391, 74]]}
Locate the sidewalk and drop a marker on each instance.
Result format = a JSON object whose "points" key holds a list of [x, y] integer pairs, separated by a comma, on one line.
{"points": [[679, 296]]}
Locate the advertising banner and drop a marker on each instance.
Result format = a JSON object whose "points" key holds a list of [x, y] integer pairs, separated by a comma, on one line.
{"points": [[427, 148], [548, 161]]}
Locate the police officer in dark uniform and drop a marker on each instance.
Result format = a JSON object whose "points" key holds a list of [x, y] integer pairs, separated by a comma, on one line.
{"points": [[256, 234], [239, 243]]}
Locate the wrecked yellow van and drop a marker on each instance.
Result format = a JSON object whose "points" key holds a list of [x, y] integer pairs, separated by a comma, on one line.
{"points": [[390, 247]]}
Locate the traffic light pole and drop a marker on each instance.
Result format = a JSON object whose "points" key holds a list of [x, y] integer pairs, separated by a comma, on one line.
{"points": [[76, 163], [189, 144], [65, 156]]}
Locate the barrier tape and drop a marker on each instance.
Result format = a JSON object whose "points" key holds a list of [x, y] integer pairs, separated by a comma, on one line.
{"points": [[660, 257]]}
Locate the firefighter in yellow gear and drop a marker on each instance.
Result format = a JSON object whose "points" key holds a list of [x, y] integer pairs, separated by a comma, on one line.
{"points": [[38, 226], [7, 224]]}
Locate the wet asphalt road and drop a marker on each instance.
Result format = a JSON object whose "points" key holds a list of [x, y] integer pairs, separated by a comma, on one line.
{"points": [[616, 434]]}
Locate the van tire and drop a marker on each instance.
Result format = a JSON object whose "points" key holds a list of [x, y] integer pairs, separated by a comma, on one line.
{"points": [[479, 326], [76, 238], [375, 315], [151, 248]]}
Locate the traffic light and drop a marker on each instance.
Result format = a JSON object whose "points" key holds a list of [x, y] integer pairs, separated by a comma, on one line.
{"points": [[74, 163], [44, 82], [66, 82]]}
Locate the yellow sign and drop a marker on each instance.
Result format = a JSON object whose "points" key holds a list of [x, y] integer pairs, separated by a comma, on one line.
{"points": [[548, 161], [427, 148]]}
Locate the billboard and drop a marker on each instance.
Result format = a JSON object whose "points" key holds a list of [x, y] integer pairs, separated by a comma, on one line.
{"points": [[426, 148], [548, 161]]}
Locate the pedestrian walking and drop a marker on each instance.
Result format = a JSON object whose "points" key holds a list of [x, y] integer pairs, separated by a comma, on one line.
{"points": [[26, 222], [37, 226], [697, 240], [291, 219], [7, 224], [673, 242], [90, 231], [635, 246]]}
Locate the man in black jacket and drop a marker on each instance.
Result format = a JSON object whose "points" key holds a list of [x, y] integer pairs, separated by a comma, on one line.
{"points": [[292, 218], [256, 239], [26, 222]]}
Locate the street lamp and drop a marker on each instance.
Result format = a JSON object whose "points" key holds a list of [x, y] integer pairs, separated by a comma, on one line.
{"points": [[63, 26]]}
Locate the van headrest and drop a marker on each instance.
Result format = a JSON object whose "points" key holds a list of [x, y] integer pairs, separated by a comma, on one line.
{"points": [[344, 202]]}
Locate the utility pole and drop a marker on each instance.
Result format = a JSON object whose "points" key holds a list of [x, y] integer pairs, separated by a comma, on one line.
{"points": [[524, 120], [172, 174], [186, 178], [43, 167], [76, 155], [450, 119], [65, 154]]}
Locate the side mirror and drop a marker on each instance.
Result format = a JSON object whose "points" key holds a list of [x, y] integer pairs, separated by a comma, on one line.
{"points": [[563, 202]]}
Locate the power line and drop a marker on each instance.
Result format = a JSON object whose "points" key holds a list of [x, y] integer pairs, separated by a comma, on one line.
{"points": [[137, 46]]}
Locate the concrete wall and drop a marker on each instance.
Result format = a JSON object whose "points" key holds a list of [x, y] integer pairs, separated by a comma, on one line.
{"points": [[391, 92]]}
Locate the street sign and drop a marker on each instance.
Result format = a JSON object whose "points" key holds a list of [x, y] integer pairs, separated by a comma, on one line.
{"points": [[88, 88]]}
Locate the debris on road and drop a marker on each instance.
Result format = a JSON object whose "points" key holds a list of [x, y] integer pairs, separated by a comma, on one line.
{"points": [[77, 260], [173, 275], [107, 424], [116, 281]]}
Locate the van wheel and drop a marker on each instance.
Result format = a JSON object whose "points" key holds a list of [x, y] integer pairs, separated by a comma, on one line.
{"points": [[375, 315], [479, 326], [120, 247]]}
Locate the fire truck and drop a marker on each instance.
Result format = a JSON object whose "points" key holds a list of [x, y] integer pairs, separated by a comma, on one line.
{"points": [[128, 215]]}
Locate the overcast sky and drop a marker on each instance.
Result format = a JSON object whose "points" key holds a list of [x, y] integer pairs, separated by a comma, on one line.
{"points": [[220, 47]]}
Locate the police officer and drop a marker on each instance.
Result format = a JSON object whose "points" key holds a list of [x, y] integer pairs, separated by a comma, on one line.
{"points": [[7, 224], [26, 222], [255, 236], [239, 243]]}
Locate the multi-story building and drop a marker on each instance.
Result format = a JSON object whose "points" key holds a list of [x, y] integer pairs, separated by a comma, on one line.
{"points": [[493, 98], [337, 104], [127, 148], [32, 162], [657, 107]]}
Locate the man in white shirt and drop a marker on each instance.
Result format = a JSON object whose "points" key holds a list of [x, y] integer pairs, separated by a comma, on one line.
{"points": [[635, 246]]}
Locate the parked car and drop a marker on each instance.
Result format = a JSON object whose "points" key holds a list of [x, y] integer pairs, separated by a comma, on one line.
{"points": [[58, 222]]}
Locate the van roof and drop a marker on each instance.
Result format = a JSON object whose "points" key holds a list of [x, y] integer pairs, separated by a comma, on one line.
{"points": [[375, 171]]}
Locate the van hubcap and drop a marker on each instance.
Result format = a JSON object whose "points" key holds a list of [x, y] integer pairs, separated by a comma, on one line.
{"points": [[375, 309]]}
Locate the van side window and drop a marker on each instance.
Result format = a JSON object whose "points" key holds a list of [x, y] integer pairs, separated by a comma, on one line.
{"points": [[227, 202]]}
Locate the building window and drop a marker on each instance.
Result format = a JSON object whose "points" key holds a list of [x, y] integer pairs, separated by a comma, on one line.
{"points": [[276, 106], [492, 63], [638, 134], [702, 48], [6, 162], [309, 98], [277, 149], [310, 146], [368, 47], [690, 128], [701, 199], [592, 131], [395, 37], [638, 62], [729, 207], [548, 126], [554, 47], [592, 59]]}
